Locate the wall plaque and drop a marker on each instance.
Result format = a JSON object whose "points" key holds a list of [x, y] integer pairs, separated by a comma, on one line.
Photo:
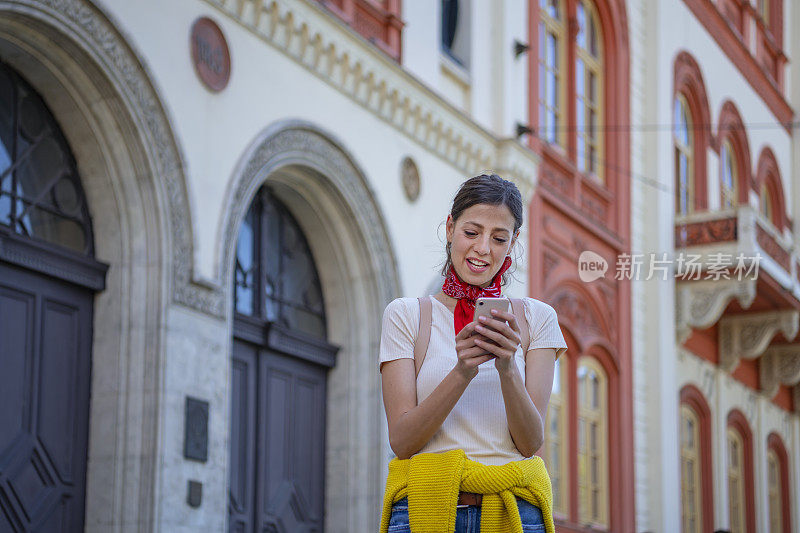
{"points": [[409, 176], [210, 55], [195, 438]]}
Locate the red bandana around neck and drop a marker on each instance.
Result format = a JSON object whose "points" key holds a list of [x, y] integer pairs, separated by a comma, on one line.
{"points": [[467, 294]]}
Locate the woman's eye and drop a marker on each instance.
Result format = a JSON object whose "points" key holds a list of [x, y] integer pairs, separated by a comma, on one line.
{"points": [[470, 233], [501, 241]]}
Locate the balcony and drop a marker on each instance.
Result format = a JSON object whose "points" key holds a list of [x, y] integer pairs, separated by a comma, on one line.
{"points": [[745, 284], [378, 21]]}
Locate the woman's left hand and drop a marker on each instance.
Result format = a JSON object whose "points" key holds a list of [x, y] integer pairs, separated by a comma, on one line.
{"points": [[500, 337]]}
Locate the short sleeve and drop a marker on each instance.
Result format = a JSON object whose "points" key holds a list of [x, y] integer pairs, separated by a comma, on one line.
{"points": [[399, 329], [543, 325]]}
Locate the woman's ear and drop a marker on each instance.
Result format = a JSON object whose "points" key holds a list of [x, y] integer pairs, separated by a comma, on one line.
{"points": [[513, 241], [449, 226]]}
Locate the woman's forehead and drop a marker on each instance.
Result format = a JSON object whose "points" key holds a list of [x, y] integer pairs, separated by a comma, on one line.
{"points": [[494, 217]]}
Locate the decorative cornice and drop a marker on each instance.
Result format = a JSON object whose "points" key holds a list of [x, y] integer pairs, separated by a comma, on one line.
{"points": [[780, 365], [700, 304], [748, 335], [320, 43]]}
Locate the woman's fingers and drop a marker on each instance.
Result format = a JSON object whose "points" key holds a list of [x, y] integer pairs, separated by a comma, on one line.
{"points": [[466, 331], [469, 353], [507, 320], [492, 348], [502, 339]]}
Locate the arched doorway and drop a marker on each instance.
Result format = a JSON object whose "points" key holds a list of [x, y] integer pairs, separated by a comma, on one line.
{"points": [[48, 278], [279, 375]]}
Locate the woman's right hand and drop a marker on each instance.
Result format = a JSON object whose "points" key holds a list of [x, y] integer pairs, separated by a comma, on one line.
{"points": [[470, 355]]}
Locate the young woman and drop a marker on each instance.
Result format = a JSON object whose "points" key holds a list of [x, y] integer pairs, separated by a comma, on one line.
{"points": [[478, 401]]}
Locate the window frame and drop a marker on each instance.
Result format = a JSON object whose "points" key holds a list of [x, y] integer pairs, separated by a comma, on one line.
{"points": [[735, 472], [737, 425], [593, 66], [688, 151], [774, 492], [600, 416], [776, 446], [559, 400], [727, 158], [768, 179], [694, 454], [692, 397], [558, 27]]}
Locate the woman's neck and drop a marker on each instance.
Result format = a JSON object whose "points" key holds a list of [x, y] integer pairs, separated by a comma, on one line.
{"points": [[448, 301]]}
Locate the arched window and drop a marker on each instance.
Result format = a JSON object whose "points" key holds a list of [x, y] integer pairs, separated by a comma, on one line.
{"points": [[774, 491], [697, 499], [275, 278], [551, 71], [691, 135], [684, 156], [40, 191], [728, 176], [780, 512], [691, 487], [734, 157], [555, 448], [588, 90], [592, 443], [770, 190], [741, 492], [736, 482]]}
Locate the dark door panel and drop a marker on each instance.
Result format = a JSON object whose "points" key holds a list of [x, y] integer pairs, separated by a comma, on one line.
{"points": [[243, 427], [277, 442], [45, 355], [292, 442]]}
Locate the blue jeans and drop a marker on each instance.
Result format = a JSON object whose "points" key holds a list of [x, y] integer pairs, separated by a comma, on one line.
{"points": [[468, 519]]}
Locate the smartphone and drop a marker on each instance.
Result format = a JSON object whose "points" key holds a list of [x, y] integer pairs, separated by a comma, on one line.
{"points": [[484, 306]]}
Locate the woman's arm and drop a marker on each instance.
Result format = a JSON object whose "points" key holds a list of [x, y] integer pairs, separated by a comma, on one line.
{"points": [[525, 400], [411, 426], [526, 404]]}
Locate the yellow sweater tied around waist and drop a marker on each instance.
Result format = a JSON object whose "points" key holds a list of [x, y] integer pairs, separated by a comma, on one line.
{"points": [[432, 481]]}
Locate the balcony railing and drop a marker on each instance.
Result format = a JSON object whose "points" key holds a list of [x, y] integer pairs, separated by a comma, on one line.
{"points": [[731, 234], [378, 21]]}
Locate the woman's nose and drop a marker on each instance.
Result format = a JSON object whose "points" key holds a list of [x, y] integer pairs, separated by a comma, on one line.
{"points": [[482, 246]]}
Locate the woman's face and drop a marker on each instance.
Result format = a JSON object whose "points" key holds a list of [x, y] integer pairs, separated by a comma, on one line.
{"points": [[481, 239]]}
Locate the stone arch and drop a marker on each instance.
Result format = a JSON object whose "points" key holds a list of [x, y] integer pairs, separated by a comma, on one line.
{"points": [[326, 191], [132, 172]]}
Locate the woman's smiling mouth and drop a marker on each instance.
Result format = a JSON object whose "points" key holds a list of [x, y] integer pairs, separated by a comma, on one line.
{"points": [[477, 266]]}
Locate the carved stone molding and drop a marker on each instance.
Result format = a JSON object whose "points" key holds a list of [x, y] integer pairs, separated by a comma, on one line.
{"points": [[780, 365], [747, 336], [304, 32], [92, 30], [700, 304], [573, 309], [300, 143]]}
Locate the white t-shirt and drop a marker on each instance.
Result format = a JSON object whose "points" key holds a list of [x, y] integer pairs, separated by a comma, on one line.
{"points": [[477, 424]]}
